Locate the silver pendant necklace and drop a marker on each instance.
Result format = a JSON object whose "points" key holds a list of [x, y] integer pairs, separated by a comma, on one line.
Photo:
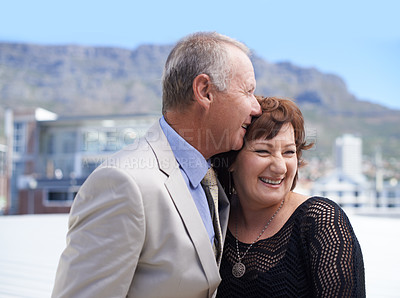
{"points": [[239, 269]]}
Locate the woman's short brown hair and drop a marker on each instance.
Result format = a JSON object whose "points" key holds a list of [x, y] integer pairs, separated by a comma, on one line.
{"points": [[275, 113]]}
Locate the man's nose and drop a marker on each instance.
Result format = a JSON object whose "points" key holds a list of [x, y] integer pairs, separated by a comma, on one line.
{"points": [[255, 107]]}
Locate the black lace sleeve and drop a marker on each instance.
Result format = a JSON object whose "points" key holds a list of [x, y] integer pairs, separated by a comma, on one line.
{"points": [[335, 256]]}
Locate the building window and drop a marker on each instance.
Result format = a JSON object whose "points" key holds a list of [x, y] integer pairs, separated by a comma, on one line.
{"points": [[60, 196], [60, 142], [108, 139], [19, 137], [89, 166], [391, 198]]}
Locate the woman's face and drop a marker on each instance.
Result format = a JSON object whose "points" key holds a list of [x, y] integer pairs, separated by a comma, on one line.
{"points": [[264, 170]]}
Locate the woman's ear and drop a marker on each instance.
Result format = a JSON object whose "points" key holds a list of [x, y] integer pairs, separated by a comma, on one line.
{"points": [[202, 90]]}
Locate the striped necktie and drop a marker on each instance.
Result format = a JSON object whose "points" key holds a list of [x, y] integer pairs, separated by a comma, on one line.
{"points": [[210, 185]]}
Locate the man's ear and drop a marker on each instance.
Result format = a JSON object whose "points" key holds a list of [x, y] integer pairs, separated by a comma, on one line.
{"points": [[202, 90]]}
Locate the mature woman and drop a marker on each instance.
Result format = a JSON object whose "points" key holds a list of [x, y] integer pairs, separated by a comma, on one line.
{"points": [[281, 243]]}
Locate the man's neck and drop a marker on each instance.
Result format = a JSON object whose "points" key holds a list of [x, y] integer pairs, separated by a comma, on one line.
{"points": [[189, 125]]}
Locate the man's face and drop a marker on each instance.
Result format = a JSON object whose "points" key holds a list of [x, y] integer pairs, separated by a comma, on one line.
{"points": [[232, 110]]}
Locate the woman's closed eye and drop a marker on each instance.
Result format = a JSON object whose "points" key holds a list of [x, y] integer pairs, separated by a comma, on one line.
{"points": [[262, 151], [290, 152]]}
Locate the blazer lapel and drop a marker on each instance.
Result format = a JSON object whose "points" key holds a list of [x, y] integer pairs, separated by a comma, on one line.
{"points": [[184, 203], [194, 224]]}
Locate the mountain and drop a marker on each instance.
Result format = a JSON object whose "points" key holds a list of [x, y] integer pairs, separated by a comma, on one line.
{"points": [[82, 80]]}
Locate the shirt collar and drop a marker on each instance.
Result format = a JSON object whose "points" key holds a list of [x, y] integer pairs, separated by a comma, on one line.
{"points": [[190, 160]]}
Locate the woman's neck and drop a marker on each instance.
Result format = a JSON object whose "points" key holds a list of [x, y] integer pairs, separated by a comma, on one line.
{"points": [[246, 223]]}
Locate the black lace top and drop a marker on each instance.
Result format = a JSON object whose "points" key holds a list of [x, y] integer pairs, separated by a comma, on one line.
{"points": [[315, 254]]}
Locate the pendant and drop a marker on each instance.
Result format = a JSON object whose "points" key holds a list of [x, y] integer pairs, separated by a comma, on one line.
{"points": [[238, 269]]}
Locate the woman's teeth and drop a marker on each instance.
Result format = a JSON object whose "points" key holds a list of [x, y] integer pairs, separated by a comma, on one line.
{"points": [[274, 182]]}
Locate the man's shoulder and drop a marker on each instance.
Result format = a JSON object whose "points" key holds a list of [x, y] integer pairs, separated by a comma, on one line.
{"points": [[130, 156], [142, 145], [149, 152]]}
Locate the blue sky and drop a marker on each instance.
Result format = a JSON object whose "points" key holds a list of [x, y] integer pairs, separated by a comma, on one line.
{"points": [[357, 40]]}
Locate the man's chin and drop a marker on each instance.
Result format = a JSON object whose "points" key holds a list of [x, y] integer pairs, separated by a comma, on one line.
{"points": [[237, 145]]}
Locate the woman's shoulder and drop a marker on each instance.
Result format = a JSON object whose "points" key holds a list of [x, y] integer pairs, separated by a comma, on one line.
{"points": [[323, 215], [320, 203], [320, 208]]}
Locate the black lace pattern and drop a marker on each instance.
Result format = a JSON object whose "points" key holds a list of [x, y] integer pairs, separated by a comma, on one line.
{"points": [[315, 254]]}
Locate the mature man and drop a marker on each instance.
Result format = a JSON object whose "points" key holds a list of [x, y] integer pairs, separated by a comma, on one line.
{"points": [[141, 224]]}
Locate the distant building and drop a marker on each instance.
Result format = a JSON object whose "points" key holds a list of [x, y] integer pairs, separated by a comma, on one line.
{"points": [[343, 189], [52, 156], [346, 184], [348, 156], [3, 178], [390, 194], [387, 193]]}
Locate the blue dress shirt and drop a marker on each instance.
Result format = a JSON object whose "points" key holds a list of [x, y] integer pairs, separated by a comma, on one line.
{"points": [[193, 167]]}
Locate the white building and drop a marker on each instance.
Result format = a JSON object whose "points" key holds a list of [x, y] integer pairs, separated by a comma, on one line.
{"points": [[348, 155], [346, 185], [344, 189]]}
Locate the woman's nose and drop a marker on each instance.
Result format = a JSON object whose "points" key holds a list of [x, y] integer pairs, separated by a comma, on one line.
{"points": [[278, 165]]}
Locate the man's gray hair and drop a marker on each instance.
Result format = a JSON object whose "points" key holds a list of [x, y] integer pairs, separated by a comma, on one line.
{"points": [[195, 54]]}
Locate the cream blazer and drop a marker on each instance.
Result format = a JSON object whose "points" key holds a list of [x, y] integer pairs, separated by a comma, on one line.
{"points": [[134, 230]]}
